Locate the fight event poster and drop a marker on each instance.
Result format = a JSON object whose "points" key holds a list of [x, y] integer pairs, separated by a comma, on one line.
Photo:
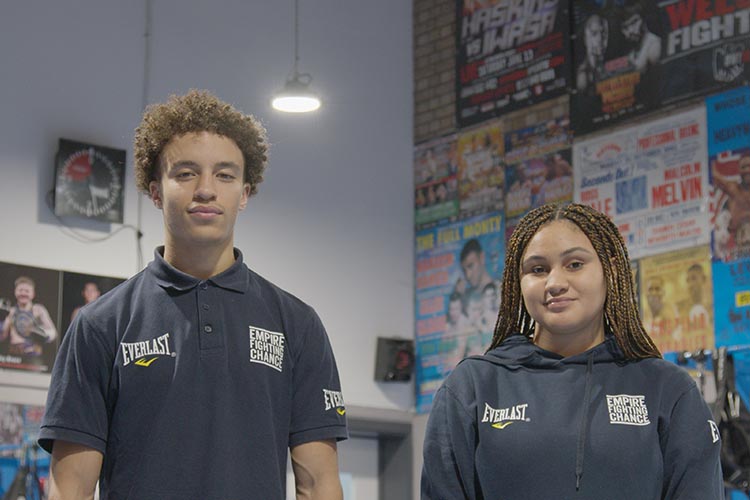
{"points": [[728, 116], [539, 168], [458, 268], [29, 319], [481, 169], [732, 299], [34, 314], [632, 56], [651, 179], [435, 181], [677, 299], [24, 466], [510, 54]]}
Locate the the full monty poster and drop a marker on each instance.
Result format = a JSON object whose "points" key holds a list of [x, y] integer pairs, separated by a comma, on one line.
{"points": [[458, 267]]}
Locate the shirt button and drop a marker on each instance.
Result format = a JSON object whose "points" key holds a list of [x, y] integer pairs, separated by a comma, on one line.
{"points": [[204, 286], [205, 307], [208, 329]]}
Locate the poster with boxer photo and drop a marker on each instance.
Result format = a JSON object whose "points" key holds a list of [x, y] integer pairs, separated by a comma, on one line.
{"points": [[29, 307], [81, 289], [616, 61], [632, 56], [24, 466], [677, 301], [728, 116], [651, 179], [509, 55], [539, 168], [459, 266], [435, 181], [481, 169]]}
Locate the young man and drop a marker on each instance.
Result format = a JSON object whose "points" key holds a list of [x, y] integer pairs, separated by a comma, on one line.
{"points": [[193, 378]]}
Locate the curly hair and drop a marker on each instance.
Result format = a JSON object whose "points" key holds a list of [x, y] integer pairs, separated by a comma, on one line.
{"points": [[621, 315], [197, 111]]}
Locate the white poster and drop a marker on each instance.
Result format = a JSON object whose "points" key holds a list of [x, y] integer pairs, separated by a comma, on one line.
{"points": [[652, 180]]}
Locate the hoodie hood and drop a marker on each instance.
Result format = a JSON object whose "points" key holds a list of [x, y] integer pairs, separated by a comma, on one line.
{"points": [[518, 351]]}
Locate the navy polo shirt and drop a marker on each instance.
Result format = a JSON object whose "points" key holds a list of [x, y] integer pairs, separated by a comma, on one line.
{"points": [[194, 388]]}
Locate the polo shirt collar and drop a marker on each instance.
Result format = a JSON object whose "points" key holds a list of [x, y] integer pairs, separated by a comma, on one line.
{"points": [[234, 278]]}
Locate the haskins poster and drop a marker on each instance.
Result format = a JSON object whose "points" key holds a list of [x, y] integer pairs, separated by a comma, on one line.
{"points": [[509, 55]]}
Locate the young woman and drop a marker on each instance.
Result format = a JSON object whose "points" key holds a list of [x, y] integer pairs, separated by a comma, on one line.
{"points": [[572, 399]]}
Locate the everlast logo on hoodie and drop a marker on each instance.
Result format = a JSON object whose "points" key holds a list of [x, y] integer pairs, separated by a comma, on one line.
{"points": [[503, 417]]}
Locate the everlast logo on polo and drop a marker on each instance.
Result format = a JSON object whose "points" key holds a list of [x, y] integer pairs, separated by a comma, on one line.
{"points": [[135, 351], [334, 399]]}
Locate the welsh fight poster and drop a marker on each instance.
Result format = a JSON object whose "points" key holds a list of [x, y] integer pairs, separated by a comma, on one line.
{"points": [[633, 56], [651, 179], [509, 55], [728, 117], [458, 268]]}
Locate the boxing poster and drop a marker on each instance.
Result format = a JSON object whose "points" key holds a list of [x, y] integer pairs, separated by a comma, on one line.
{"points": [[509, 55], [632, 56], [458, 268], [731, 283], [435, 181], [677, 301], [539, 168], [24, 466], [79, 290], [728, 117], [481, 169], [651, 179], [29, 323]]}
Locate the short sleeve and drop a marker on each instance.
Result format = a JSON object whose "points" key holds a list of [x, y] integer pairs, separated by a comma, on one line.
{"points": [[318, 409], [691, 448], [77, 409]]}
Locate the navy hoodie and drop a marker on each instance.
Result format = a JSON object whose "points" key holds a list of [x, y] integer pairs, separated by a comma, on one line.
{"points": [[524, 423]]}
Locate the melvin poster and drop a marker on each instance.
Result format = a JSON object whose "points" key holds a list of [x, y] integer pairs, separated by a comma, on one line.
{"points": [[651, 179]]}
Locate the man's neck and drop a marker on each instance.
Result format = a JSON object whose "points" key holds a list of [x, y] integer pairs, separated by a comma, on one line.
{"points": [[198, 261]]}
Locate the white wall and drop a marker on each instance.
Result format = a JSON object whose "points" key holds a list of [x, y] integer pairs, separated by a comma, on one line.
{"points": [[333, 220]]}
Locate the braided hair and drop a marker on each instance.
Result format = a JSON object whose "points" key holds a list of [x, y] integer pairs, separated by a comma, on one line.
{"points": [[621, 316]]}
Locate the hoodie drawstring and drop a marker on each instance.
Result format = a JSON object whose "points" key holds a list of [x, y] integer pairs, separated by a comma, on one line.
{"points": [[583, 430]]}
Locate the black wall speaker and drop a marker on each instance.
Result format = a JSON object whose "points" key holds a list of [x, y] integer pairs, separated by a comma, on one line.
{"points": [[394, 361]]}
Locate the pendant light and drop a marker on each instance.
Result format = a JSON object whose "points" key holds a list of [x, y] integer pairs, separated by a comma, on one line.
{"points": [[296, 96]]}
